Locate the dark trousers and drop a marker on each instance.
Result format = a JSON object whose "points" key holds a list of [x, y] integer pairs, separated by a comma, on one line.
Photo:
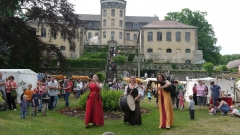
{"points": [[191, 112], [11, 102], [177, 102], [51, 100], [195, 99]]}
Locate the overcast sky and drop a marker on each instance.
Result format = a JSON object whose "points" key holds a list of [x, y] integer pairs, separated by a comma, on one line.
{"points": [[222, 14]]}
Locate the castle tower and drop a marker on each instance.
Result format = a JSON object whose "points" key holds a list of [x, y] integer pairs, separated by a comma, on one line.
{"points": [[112, 27]]}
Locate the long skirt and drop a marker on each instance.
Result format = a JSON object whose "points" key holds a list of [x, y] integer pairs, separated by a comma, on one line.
{"points": [[165, 109], [133, 117], [94, 109]]}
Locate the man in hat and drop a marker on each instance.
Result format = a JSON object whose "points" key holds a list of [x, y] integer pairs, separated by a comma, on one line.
{"points": [[216, 93]]}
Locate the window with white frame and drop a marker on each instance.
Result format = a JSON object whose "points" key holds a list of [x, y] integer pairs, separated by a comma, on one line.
{"points": [[135, 26]]}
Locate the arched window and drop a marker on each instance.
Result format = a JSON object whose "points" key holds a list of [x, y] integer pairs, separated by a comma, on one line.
{"points": [[169, 51], [112, 22], [149, 50], [62, 48], [150, 36], [104, 22], [169, 36], [187, 36], [96, 34], [89, 35], [178, 36], [43, 32], [159, 36], [187, 51], [120, 23], [135, 37]]}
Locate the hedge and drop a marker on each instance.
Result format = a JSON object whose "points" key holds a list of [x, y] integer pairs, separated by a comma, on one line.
{"points": [[84, 63], [110, 99]]}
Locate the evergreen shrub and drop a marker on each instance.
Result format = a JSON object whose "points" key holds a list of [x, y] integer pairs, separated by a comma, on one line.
{"points": [[110, 99]]}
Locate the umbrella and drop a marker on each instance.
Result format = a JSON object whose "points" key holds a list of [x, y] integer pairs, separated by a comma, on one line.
{"points": [[233, 64]]}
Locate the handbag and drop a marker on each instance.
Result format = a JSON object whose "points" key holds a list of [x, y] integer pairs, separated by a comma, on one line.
{"points": [[13, 92]]}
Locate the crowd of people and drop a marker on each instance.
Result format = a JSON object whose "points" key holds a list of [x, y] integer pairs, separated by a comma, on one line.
{"points": [[45, 97]]}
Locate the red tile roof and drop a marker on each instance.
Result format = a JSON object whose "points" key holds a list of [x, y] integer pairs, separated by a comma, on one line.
{"points": [[168, 24]]}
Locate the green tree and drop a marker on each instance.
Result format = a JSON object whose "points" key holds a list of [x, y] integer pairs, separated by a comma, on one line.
{"points": [[208, 67], [24, 48], [206, 34]]}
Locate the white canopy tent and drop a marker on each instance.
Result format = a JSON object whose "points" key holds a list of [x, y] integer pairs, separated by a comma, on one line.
{"points": [[190, 84], [23, 77], [227, 87]]}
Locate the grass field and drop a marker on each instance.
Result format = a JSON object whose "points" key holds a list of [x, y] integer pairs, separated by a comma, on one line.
{"points": [[58, 124]]}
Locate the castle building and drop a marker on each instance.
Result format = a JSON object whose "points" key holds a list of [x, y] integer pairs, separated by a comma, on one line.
{"points": [[161, 41]]}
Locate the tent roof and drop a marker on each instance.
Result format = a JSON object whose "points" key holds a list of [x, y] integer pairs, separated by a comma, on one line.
{"points": [[20, 71], [203, 79]]}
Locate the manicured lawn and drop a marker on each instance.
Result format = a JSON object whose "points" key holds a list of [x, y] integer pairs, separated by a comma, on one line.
{"points": [[56, 123]]}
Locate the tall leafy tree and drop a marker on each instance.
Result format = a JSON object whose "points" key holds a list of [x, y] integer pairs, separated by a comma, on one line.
{"points": [[23, 48], [206, 35]]}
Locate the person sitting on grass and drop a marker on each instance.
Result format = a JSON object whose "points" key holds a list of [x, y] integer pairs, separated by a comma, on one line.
{"points": [[234, 112], [24, 107], [223, 106], [212, 110]]}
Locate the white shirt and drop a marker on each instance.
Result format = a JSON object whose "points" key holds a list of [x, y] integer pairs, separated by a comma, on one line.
{"points": [[138, 88], [235, 111], [79, 86]]}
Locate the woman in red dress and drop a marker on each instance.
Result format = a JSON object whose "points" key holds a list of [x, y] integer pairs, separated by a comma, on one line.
{"points": [[94, 109]]}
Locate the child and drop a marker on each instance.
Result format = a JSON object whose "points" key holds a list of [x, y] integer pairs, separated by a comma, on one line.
{"points": [[234, 112], [45, 99], [191, 107], [24, 107], [21, 97], [181, 102], [212, 110], [35, 103], [29, 94], [149, 96]]}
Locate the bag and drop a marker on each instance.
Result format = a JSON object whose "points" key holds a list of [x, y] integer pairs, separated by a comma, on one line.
{"points": [[13, 93]]}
